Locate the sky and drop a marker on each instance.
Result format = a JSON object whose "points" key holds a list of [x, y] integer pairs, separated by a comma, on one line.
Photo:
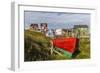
{"points": [[56, 20]]}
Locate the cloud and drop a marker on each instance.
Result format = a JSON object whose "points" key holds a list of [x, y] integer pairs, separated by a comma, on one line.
{"points": [[56, 19]]}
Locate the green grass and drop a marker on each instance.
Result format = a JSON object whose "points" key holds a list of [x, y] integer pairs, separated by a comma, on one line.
{"points": [[37, 48], [84, 48]]}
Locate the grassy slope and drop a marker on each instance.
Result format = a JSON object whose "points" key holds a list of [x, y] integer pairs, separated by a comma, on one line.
{"points": [[84, 49], [36, 46]]}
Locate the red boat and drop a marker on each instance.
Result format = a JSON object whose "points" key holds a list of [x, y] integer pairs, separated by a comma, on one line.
{"points": [[68, 44]]}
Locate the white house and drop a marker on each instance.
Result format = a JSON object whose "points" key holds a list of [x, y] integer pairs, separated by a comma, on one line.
{"points": [[58, 32]]}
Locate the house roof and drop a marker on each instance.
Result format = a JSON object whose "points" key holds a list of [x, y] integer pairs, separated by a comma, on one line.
{"points": [[34, 24], [80, 26]]}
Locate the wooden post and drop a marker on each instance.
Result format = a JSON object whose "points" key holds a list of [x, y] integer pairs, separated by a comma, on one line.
{"points": [[51, 47]]}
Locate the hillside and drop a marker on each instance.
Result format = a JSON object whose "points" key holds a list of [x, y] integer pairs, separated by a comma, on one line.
{"points": [[37, 46]]}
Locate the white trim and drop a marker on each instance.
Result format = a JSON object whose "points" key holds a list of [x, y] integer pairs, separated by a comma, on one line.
{"points": [[18, 34], [67, 5], [14, 34]]}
